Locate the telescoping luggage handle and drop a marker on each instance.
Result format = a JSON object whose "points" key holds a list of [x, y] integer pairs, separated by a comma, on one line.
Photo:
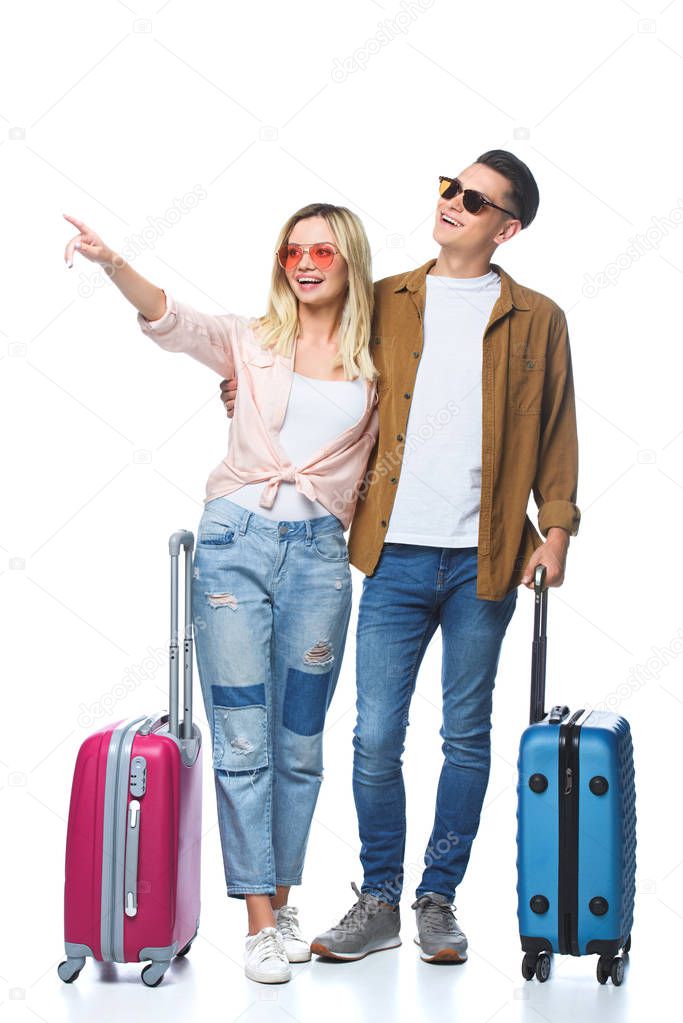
{"points": [[538, 652], [538, 649], [182, 538]]}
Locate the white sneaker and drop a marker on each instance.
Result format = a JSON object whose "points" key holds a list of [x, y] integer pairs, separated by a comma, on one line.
{"points": [[297, 948], [265, 958]]}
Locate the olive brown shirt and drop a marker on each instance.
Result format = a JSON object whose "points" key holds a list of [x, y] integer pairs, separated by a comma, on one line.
{"points": [[529, 438]]}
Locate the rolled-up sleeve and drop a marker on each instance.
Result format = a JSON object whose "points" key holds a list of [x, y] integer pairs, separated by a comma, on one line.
{"points": [[556, 480], [208, 338]]}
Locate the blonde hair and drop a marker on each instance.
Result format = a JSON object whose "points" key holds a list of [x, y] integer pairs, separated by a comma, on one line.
{"points": [[279, 327]]}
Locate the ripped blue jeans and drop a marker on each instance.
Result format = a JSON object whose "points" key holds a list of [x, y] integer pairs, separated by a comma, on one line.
{"points": [[271, 608]]}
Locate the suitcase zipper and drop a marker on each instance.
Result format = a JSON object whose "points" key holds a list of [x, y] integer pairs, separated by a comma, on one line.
{"points": [[568, 824]]}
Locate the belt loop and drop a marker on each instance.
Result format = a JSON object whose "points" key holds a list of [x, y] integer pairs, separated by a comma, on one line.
{"points": [[309, 532], [245, 522]]}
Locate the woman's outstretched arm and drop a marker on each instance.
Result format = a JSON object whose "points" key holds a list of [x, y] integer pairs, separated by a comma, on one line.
{"points": [[173, 325], [145, 296]]}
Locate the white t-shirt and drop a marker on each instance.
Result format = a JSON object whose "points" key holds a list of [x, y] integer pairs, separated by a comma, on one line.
{"points": [[317, 412], [439, 490]]}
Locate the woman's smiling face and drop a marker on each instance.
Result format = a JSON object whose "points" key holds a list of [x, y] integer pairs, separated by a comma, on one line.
{"points": [[311, 285]]}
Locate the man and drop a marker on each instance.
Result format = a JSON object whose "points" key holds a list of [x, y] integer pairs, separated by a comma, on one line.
{"points": [[476, 408]]}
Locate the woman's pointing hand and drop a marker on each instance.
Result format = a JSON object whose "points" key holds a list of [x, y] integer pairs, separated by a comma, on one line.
{"points": [[87, 243]]}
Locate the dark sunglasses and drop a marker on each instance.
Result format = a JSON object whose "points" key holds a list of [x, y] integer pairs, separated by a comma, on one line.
{"points": [[471, 199]]}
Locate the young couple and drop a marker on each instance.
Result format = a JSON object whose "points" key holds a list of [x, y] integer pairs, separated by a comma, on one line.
{"points": [[471, 375]]}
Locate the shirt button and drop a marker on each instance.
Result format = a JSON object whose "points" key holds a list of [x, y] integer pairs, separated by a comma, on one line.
{"points": [[407, 394], [530, 364], [399, 436], [383, 522], [282, 530], [393, 479], [416, 355]]}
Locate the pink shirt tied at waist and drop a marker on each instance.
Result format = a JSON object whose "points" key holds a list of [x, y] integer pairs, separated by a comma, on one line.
{"points": [[227, 344]]}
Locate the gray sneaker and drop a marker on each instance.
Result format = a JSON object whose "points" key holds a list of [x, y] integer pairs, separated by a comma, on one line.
{"points": [[369, 926], [438, 933]]}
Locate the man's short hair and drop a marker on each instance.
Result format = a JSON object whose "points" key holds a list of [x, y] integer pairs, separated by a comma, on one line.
{"points": [[522, 195]]}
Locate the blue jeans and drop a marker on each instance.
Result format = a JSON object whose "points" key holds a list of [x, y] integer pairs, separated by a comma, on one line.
{"points": [[271, 608], [413, 590]]}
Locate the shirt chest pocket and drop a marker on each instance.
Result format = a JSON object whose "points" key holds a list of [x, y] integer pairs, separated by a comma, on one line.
{"points": [[258, 363], [526, 376], [261, 358], [382, 351]]}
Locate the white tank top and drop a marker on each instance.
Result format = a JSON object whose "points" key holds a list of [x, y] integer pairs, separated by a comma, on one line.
{"points": [[317, 412]]}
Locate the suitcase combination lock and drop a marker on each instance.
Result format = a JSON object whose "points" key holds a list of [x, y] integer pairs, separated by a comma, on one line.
{"points": [[138, 776]]}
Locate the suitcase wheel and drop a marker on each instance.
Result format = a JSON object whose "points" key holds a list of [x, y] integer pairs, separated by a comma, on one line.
{"points": [[153, 974], [543, 967], [69, 969], [184, 951], [610, 966], [627, 944], [603, 969], [528, 966], [536, 966], [617, 971]]}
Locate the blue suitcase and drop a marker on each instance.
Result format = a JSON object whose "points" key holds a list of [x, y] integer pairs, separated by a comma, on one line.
{"points": [[576, 828]]}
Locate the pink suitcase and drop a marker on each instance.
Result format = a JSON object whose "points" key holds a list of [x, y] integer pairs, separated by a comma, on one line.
{"points": [[133, 847]]}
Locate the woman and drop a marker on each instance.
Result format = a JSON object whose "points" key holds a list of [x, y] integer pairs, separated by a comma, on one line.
{"points": [[272, 583]]}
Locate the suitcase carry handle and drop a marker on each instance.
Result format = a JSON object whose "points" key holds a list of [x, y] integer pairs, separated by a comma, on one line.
{"points": [[538, 649], [182, 538]]}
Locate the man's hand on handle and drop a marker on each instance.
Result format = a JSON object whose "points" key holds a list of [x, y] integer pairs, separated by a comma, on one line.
{"points": [[552, 554]]}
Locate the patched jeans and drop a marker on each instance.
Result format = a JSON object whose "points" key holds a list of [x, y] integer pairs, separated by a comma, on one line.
{"points": [[413, 590], [271, 608]]}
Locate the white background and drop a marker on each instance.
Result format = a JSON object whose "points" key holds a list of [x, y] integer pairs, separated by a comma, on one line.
{"points": [[116, 113]]}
